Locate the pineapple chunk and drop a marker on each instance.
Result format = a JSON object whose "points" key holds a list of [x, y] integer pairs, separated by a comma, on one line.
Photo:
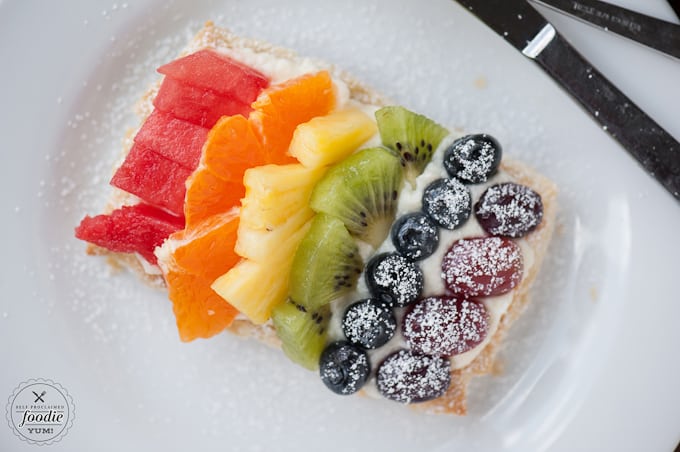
{"points": [[275, 192], [255, 288], [325, 140], [260, 245]]}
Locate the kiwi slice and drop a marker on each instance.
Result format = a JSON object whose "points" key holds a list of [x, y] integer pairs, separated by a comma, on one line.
{"points": [[414, 137], [327, 263], [362, 191], [302, 332]]}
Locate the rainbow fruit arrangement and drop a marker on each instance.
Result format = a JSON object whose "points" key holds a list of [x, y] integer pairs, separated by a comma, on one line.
{"points": [[261, 200]]}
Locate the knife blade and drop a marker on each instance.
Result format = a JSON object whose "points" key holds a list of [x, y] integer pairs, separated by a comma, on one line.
{"points": [[650, 31], [675, 4], [528, 31]]}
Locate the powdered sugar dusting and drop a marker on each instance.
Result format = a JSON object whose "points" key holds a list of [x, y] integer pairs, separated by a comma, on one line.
{"points": [[395, 279], [447, 202], [509, 210], [369, 323], [409, 377], [482, 266], [445, 326], [344, 368], [473, 158]]}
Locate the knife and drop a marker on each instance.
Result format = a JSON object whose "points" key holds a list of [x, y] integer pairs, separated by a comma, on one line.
{"points": [[527, 30], [650, 31]]}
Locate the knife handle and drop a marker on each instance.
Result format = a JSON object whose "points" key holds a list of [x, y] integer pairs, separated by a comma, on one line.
{"points": [[654, 148]]}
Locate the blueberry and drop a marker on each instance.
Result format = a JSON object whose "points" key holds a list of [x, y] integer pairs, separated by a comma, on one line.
{"points": [[415, 236], [369, 323], [344, 367], [473, 158], [447, 202], [393, 279]]}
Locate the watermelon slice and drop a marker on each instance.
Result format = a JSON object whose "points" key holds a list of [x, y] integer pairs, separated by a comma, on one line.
{"points": [[153, 178], [130, 229], [200, 106], [196, 92], [210, 70], [175, 139]]}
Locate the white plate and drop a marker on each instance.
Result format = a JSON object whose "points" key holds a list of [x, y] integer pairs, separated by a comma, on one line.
{"points": [[592, 364]]}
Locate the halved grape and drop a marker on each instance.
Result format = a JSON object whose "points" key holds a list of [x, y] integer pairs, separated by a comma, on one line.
{"points": [[481, 267], [409, 377], [445, 326], [509, 210]]}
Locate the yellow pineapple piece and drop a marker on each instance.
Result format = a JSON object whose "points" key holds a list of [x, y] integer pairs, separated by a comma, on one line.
{"points": [[276, 192], [255, 288], [259, 244], [325, 140]]}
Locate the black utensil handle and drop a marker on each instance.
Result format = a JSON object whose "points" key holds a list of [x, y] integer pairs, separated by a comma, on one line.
{"points": [[658, 34], [654, 148], [675, 4]]}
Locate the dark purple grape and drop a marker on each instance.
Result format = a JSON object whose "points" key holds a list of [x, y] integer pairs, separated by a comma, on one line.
{"points": [[445, 326], [415, 236], [409, 377], [344, 367], [369, 323], [483, 266], [509, 210], [473, 158], [393, 279], [447, 202]]}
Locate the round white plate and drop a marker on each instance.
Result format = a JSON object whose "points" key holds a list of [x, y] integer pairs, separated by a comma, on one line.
{"points": [[591, 365]]}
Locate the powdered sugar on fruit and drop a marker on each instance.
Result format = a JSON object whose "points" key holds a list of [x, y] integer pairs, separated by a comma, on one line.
{"points": [[410, 201]]}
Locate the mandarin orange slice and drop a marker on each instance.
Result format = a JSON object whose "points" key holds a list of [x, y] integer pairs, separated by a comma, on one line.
{"points": [[281, 108], [232, 146], [191, 259], [208, 195], [199, 311], [208, 248]]}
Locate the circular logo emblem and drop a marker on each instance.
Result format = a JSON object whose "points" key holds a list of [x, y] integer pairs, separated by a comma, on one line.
{"points": [[40, 411]]}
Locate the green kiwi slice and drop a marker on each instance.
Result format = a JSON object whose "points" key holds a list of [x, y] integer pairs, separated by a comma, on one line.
{"points": [[362, 191], [414, 137], [327, 263], [302, 332]]}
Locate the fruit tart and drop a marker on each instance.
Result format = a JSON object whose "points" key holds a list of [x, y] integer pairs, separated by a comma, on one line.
{"points": [[276, 197]]}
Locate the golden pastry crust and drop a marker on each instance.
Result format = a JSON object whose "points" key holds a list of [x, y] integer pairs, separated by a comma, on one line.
{"points": [[454, 401]]}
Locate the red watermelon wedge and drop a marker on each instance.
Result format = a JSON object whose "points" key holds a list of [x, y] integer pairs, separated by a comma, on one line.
{"points": [[175, 139], [200, 106], [153, 178], [130, 229], [210, 70]]}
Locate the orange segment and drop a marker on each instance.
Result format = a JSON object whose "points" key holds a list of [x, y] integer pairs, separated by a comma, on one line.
{"points": [[191, 259], [209, 195], [232, 147], [199, 311], [279, 109], [216, 186], [208, 248]]}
